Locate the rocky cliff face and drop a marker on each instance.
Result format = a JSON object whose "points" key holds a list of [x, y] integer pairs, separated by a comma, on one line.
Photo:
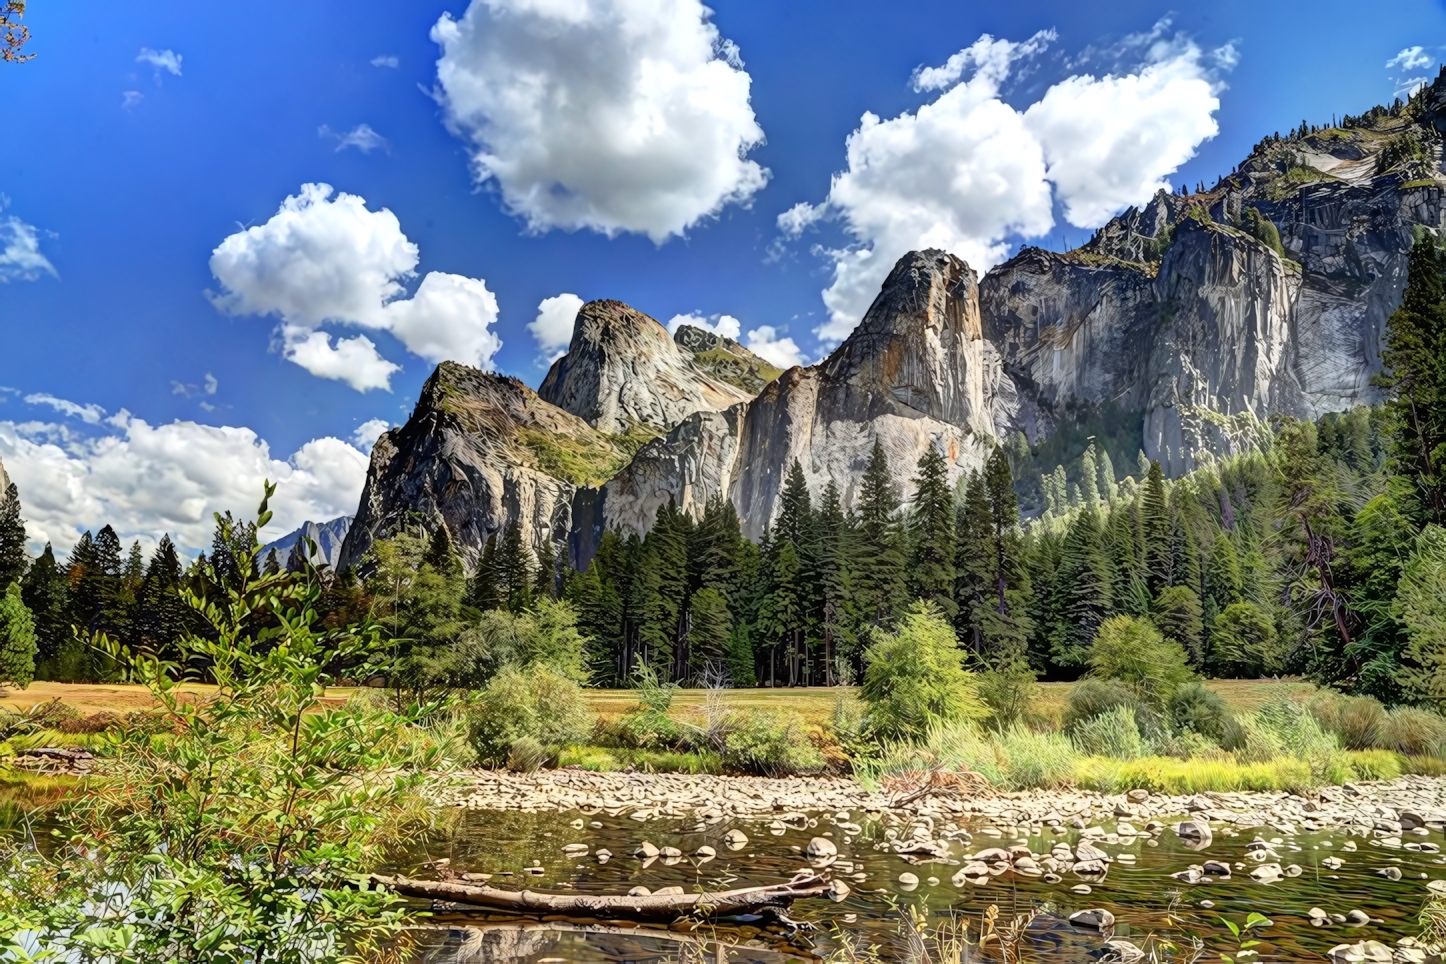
{"points": [[912, 375], [622, 371], [479, 452], [1185, 314], [327, 538]]}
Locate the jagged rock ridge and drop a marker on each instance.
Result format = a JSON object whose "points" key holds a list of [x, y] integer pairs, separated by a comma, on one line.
{"points": [[622, 371], [327, 538], [726, 360], [912, 375]]}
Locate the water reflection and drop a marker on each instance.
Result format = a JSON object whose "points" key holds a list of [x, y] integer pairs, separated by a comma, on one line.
{"points": [[527, 850]]}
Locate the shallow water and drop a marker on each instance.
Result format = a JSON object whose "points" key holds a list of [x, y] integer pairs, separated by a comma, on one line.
{"points": [[1148, 904]]}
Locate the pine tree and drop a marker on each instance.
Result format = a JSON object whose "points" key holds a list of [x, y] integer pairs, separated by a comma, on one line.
{"points": [[711, 628], [13, 558], [484, 591], [45, 593], [781, 620], [974, 535], [931, 535], [1089, 477], [1084, 584], [514, 569], [1223, 580], [17, 640], [546, 585], [1413, 358], [879, 578], [163, 615], [664, 629], [1178, 616], [1155, 526], [1007, 625], [835, 541], [273, 564]]}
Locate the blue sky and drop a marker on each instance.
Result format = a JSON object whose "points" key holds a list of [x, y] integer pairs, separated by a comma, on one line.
{"points": [[142, 137]]}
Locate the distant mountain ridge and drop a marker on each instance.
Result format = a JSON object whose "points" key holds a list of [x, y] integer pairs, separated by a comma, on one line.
{"points": [[328, 537], [1192, 318]]}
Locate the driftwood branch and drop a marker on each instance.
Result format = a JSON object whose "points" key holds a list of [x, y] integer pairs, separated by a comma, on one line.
{"points": [[772, 900]]}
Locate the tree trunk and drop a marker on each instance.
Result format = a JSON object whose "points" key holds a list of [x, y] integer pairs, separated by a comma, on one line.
{"points": [[665, 908]]}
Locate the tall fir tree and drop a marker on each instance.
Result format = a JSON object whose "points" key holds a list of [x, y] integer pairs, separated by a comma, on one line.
{"points": [[1413, 375], [13, 558], [45, 593], [514, 569], [1085, 585], [974, 555], [1155, 530], [484, 591], [162, 615], [879, 578], [931, 535]]}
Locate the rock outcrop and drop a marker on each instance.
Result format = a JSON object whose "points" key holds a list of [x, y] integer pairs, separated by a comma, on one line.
{"points": [[326, 537], [480, 451], [912, 375], [622, 371], [726, 360]]}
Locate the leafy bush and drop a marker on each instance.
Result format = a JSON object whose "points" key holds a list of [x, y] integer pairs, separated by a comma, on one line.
{"points": [[953, 747], [527, 755], [915, 678], [1195, 707], [648, 729], [1113, 733], [1007, 691], [652, 692], [612, 759], [1092, 697], [1130, 649], [1244, 642], [771, 744], [1172, 776], [539, 703], [1414, 732]]}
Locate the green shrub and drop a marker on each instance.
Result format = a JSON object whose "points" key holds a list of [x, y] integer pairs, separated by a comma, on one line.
{"points": [[1195, 707], [771, 744], [526, 755], [1357, 721], [1008, 692], [915, 678], [1375, 764], [540, 704], [1178, 777], [1092, 697], [1113, 734], [1130, 649], [648, 729], [953, 747], [1414, 732], [612, 759]]}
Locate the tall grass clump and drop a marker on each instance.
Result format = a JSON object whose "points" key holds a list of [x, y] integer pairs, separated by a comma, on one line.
{"points": [[1029, 760], [1414, 732], [1113, 733]]}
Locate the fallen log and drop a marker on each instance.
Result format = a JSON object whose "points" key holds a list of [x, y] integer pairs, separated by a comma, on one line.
{"points": [[769, 901]]}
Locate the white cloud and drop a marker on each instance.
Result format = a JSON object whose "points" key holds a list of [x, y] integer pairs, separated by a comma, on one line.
{"points": [[386, 60], [167, 60], [552, 328], [1412, 58], [354, 360], [90, 414], [766, 344], [322, 259], [148, 480], [211, 384], [130, 98], [362, 137], [612, 115], [968, 173], [368, 432], [725, 325], [20, 257]]}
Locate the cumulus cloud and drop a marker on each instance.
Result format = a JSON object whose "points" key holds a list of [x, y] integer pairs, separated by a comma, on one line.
{"points": [[362, 137], [386, 60], [725, 325], [130, 98], [149, 480], [368, 432], [167, 60], [969, 173], [90, 414], [611, 115], [324, 259], [766, 343], [552, 328], [20, 257]]}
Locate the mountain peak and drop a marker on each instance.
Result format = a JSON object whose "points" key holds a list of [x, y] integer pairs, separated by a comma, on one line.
{"points": [[622, 371]]}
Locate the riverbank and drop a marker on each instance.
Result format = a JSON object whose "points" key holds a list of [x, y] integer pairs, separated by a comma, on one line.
{"points": [[1393, 812]]}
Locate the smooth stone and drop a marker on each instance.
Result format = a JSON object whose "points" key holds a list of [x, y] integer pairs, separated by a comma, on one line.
{"points": [[1390, 873], [1120, 951], [821, 847], [838, 891], [639, 892], [705, 853], [735, 839], [1081, 889], [1095, 918], [908, 881], [1373, 952], [646, 850], [1357, 918]]}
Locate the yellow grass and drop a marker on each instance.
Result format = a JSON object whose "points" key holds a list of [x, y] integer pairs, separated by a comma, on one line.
{"points": [[816, 703]]}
